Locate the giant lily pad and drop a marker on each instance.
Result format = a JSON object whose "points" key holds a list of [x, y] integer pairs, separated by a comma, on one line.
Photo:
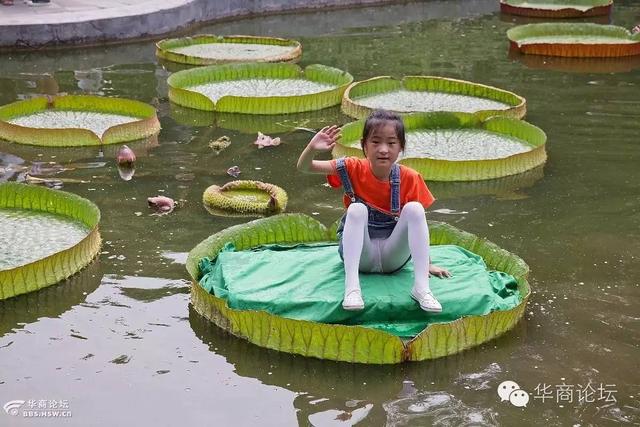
{"points": [[574, 40], [65, 121], [460, 146], [346, 342], [259, 88], [427, 94], [244, 198], [556, 8], [208, 49], [45, 237]]}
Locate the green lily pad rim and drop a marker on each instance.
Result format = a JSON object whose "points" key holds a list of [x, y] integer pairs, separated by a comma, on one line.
{"points": [[60, 265], [180, 82], [521, 32], [146, 126], [561, 2], [460, 170], [437, 340], [383, 84], [164, 48]]}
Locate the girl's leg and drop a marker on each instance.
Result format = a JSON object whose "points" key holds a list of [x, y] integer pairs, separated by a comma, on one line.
{"points": [[411, 237], [356, 251]]}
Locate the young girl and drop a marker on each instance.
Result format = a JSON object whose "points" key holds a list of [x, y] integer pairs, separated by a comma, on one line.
{"points": [[385, 223]]}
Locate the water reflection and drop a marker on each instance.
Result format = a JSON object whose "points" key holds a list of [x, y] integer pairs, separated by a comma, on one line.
{"points": [[174, 67], [438, 409], [334, 389], [126, 172], [523, 20], [254, 123], [51, 301], [145, 289], [89, 81], [10, 165], [577, 65], [506, 188], [75, 155]]}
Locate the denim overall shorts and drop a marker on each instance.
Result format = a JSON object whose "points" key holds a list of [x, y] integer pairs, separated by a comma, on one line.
{"points": [[380, 223]]}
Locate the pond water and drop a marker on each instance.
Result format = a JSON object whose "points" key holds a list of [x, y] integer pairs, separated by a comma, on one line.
{"points": [[119, 344]]}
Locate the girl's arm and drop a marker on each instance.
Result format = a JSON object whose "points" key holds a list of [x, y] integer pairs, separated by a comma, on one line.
{"points": [[322, 141]]}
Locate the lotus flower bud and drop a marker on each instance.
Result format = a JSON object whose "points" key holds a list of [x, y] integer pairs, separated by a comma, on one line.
{"points": [[125, 156]]}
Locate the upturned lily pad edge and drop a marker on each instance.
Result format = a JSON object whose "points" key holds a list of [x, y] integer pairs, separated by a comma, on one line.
{"points": [[350, 343], [56, 267], [565, 10], [163, 48], [147, 125], [179, 92], [575, 50]]}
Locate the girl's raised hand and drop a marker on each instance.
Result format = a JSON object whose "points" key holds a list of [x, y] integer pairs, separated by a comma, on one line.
{"points": [[325, 139]]}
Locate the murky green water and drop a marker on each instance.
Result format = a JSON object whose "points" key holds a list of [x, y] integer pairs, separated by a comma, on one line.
{"points": [[120, 344]]}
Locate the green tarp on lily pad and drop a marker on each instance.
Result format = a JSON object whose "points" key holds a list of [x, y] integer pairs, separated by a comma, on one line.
{"points": [[306, 282]]}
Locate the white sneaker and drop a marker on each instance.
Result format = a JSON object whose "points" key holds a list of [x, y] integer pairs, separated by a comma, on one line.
{"points": [[353, 300], [427, 301]]}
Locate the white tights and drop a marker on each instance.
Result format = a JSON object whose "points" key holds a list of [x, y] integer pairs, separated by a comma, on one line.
{"points": [[409, 237]]}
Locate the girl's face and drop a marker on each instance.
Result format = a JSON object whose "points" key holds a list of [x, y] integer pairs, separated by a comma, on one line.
{"points": [[382, 147]]}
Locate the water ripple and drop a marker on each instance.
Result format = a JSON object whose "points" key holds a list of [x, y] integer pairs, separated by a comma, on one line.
{"points": [[438, 409]]}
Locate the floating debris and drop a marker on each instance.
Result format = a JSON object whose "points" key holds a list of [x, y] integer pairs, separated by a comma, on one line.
{"points": [[47, 168], [234, 171], [314, 131], [266, 141], [162, 204], [220, 144], [126, 156], [51, 182]]}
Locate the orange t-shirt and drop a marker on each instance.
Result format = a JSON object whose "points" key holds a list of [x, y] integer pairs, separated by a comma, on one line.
{"points": [[377, 193]]}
